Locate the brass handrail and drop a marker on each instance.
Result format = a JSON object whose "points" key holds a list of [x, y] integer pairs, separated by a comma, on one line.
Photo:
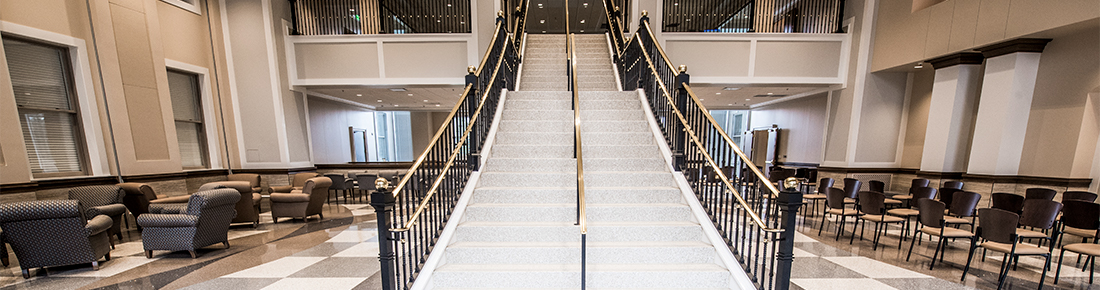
{"points": [[454, 152], [607, 13], [710, 161], [581, 207], [490, 49], [438, 134]]}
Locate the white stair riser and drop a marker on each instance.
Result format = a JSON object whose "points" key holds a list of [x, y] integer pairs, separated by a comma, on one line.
{"points": [[572, 255]]}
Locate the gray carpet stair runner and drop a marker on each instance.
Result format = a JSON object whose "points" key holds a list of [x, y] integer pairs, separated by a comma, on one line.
{"points": [[518, 230]]}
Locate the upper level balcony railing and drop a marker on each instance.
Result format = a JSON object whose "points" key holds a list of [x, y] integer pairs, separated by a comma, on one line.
{"points": [[743, 16], [335, 17]]}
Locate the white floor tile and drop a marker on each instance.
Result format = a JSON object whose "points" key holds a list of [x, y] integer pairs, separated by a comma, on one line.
{"points": [[840, 284], [277, 269], [874, 269], [366, 249], [800, 253], [352, 236], [108, 268], [315, 283]]}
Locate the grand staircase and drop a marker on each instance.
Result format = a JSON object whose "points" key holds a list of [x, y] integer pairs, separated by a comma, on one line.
{"points": [[519, 231]]}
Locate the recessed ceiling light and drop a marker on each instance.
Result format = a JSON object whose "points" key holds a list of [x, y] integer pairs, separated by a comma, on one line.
{"points": [[397, 90], [582, 21], [730, 89], [769, 93], [425, 101], [585, 6], [582, 30], [412, 95], [675, 4], [437, 105], [748, 99], [542, 21], [919, 65], [448, 4], [463, 22], [379, 101], [352, 10], [729, 105], [437, 20], [719, 93], [689, 19], [702, 99], [540, 5], [358, 95]]}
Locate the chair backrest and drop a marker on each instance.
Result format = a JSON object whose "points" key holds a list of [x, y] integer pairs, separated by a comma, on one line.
{"points": [[317, 189], [299, 179], [923, 192], [953, 184], [1040, 193], [337, 181], [834, 198], [1040, 213], [1008, 201], [997, 225], [824, 184], [1081, 214], [246, 209], [215, 209], [930, 212], [1079, 195], [877, 186], [366, 180], [252, 178], [872, 203], [851, 187], [963, 203], [919, 182], [46, 232], [137, 197], [97, 195], [947, 195]]}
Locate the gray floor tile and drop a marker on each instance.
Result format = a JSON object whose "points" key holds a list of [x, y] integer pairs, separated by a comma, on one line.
{"points": [[361, 267], [234, 283], [325, 250], [922, 283], [819, 268]]}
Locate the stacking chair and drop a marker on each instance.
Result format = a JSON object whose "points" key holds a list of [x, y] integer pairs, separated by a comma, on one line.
{"points": [[1040, 193], [873, 208], [953, 184], [366, 184], [1079, 195], [908, 213], [851, 190], [822, 188], [1081, 219], [997, 232], [1039, 214], [963, 205], [917, 183], [880, 187], [1008, 201], [206, 222], [102, 199], [932, 223], [834, 205], [340, 184], [47, 233], [947, 195]]}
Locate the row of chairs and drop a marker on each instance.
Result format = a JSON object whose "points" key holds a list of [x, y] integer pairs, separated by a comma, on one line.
{"points": [[358, 184]]}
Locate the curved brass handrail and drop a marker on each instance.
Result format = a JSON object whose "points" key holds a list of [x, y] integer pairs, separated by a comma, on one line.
{"points": [[710, 161], [443, 128], [582, 219], [490, 49]]}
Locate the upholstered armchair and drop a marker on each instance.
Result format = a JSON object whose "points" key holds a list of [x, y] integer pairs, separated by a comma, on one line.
{"points": [[54, 233], [296, 183], [301, 203], [141, 199], [253, 179], [102, 199], [206, 222], [248, 207]]}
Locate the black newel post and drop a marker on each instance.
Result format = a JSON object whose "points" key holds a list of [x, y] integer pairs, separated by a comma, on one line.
{"points": [[681, 97], [383, 202], [472, 101], [790, 199]]}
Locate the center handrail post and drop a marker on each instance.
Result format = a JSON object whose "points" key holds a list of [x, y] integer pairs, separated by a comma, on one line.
{"points": [[790, 199]]}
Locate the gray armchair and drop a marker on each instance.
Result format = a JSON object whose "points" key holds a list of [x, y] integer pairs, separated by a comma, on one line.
{"points": [[296, 183], [248, 208], [102, 199], [54, 233], [301, 203], [206, 222], [141, 199]]}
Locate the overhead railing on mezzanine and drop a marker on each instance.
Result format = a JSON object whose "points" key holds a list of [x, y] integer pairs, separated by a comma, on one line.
{"points": [[755, 219]]}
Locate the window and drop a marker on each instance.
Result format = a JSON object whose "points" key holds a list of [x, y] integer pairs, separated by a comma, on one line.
{"points": [[187, 111], [41, 78], [188, 5]]}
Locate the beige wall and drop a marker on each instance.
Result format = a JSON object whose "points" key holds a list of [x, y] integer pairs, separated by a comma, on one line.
{"points": [[801, 123], [329, 122], [920, 97], [903, 36]]}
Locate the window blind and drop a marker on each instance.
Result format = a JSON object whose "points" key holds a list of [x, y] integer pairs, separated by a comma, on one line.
{"points": [[187, 111], [41, 80]]}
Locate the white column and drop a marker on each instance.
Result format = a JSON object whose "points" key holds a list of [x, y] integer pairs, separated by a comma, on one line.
{"points": [[950, 113], [1007, 88]]}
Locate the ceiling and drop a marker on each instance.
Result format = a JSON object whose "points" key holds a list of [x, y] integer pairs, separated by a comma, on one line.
{"points": [[435, 98], [716, 97], [550, 17]]}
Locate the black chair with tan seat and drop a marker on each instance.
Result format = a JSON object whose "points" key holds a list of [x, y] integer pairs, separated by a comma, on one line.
{"points": [[851, 190], [340, 185], [909, 213], [1079, 195], [964, 205], [932, 223], [1040, 193], [908, 198], [301, 203], [822, 188], [102, 199], [997, 232], [873, 209], [946, 195], [834, 203], [880, 187], [206, 222], [1039, 216], [1081, 219], [54, 233], [1008, 201], [366, 184], [953, 184]]}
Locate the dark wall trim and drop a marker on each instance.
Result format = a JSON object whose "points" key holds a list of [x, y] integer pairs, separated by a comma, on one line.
{"points": [[55, 184], [867, 170], [956, 59], [798, 164], [1014, 46], [1020, 179], [277, 170], [367, 165]]}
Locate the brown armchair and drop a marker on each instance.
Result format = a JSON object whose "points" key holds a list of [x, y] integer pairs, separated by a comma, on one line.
{"points": [[301, 203], [140, 197], [296, 183], [248, 207], [252, 178]]}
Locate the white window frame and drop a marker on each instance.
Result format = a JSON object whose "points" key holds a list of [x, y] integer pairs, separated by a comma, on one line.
{"points": [[207, 99], [193, 8], [85, 93]]}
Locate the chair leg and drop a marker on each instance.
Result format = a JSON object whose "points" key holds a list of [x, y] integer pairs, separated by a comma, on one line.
{"points": [[226, 243], [822, 225], [1092, 268], [969, 257], [193, 254], [840, 227], [1005, 264], [26, 274], [877, 227], [95, 265], [911, 243], [1058, 272], [937, 253], [1043, 278], [107, 257]]}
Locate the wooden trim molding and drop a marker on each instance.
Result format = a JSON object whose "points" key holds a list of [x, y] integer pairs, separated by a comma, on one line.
{"points": [[956, 59], [1017, 179], [277, 170], [47, 184], [1014, 46], [366, 165], [798, 164]]}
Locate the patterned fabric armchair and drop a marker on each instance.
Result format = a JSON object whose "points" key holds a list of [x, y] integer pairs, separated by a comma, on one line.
{"points": [[248, 208], [253, 179], [54, 233], [301, 203], [102, 199], [296, 183], [205, 223], [141, 199]]}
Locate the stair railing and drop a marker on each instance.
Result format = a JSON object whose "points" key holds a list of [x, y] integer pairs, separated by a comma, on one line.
{"points": [[578, 152], [412, 214], [519, 33], [754, 218]]}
